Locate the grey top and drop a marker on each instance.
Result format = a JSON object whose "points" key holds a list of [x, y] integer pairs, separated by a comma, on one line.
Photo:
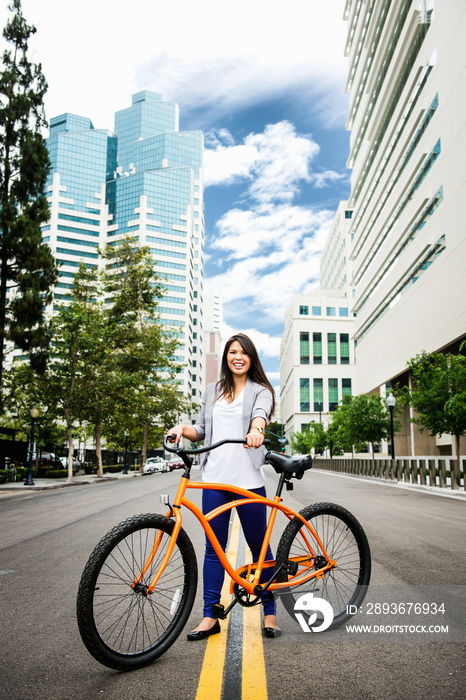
{"points": [[257, 402]]}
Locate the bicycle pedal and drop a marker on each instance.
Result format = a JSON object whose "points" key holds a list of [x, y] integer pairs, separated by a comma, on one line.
{"points": [[219, 611], [291, 568]]}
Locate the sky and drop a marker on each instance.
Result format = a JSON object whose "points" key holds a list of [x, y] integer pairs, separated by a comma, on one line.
{"points": [[265, 82]]}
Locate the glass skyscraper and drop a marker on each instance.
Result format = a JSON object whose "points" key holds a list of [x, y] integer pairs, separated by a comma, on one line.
{"points": [[145, 179]]}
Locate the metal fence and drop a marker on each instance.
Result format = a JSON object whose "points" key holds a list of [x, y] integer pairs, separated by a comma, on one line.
{"points": [[422, 471]]}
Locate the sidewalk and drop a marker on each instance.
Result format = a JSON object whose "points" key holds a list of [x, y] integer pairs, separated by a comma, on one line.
{"points": [[78, 480]]}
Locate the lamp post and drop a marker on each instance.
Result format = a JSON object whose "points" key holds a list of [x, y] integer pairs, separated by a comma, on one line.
{"points": [[391, 401], [125, 468], [34, 414]]}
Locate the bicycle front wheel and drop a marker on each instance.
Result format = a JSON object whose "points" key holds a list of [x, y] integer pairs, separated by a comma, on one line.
{"points": [[344, 541], [121, 626]]}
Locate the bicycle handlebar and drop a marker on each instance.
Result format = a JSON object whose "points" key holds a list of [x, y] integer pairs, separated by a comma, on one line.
{"points": [[200, 450]]}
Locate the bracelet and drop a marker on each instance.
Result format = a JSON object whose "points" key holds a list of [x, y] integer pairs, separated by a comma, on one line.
{"points": [[256, 427]]}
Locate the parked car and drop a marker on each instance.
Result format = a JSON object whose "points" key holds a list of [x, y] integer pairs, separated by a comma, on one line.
{"points": [[64, 462], [47, 459], [155, 464], [175, 463]]}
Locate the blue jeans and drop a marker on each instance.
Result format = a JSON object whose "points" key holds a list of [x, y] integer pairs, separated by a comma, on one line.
{"points": [[253, 518]]}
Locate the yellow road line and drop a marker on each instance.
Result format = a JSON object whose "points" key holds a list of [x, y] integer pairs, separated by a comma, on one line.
{"points": [[254, 682], [211, 678]]}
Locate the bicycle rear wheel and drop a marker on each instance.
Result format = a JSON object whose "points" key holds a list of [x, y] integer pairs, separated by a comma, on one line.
{"points": [[126, 629], [345, 542]]}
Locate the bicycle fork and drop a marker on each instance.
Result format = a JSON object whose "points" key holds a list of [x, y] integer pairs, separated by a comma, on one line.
{"points": [[149, 589]]}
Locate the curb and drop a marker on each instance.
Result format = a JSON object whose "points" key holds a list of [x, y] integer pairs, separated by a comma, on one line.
{"points": [[49, 485]]}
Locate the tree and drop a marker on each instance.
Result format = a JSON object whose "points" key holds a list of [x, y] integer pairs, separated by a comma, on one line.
{"points": [[144, 350], [28, 270], [313, 437], [359, 420], [439, 393], [100, 382], [274, 432]]}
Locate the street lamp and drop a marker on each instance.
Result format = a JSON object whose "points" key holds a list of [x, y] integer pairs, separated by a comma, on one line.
{"points": [[125, 468], [34, 414], [391, 401]]}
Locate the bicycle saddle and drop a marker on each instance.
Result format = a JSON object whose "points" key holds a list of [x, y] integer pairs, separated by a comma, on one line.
{"points": [[291, 466]]}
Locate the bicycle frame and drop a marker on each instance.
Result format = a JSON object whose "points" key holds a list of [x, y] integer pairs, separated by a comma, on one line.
{"points": [[251, 587]]}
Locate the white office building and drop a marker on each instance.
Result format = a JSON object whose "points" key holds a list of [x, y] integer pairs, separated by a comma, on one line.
{"points": [[407, 86], [316, 358]]}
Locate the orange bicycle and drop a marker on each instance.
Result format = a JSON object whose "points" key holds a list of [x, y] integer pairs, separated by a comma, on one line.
{"points": [[138, 586]]}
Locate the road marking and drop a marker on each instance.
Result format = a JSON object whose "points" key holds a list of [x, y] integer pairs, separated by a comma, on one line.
{"points": [[211, 678], [254, 685]]}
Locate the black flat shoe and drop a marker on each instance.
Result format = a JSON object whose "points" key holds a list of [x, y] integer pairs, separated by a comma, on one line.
{"points": [[203, 634], [271, 632]]}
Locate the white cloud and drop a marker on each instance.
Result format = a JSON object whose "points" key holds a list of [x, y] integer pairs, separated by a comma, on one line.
{"points": [[243, 233], [203, 55], [260, 285], [224, 165], [275, 162], [266, 248], [328, 177]]}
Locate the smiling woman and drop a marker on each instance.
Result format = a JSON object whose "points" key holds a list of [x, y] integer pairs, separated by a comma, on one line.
{"points": [[236, 407]]}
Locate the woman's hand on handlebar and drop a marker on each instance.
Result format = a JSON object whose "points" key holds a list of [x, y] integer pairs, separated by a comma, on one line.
{"points": [[179, 431], [254, 439], [175, 434]]}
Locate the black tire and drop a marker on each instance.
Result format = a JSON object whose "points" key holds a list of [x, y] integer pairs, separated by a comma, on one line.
{"points": [[345, 542], [123, 629]]}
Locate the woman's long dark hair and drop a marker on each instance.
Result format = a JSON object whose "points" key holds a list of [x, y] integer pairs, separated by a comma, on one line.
{"points": [[226, 385]]}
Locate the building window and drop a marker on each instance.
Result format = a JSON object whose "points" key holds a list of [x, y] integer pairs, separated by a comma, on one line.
{"points": [[332, 394], [331, 311], [317, 348], [304, 396], [344, 349], [318, 395], [343, 312], [348, 213], [304, 310], [332, 348], [304, 348], [316, 311], [346, 387]]}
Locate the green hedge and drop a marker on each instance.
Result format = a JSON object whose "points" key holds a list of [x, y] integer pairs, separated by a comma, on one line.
{"points": [[7, 475], [115, 468]]}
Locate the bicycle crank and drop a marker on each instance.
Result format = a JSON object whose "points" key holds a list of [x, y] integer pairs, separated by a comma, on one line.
{"points": [[247, 600]]}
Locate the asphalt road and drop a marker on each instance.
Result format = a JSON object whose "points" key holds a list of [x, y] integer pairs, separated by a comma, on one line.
{"points": [[416, 539]]}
